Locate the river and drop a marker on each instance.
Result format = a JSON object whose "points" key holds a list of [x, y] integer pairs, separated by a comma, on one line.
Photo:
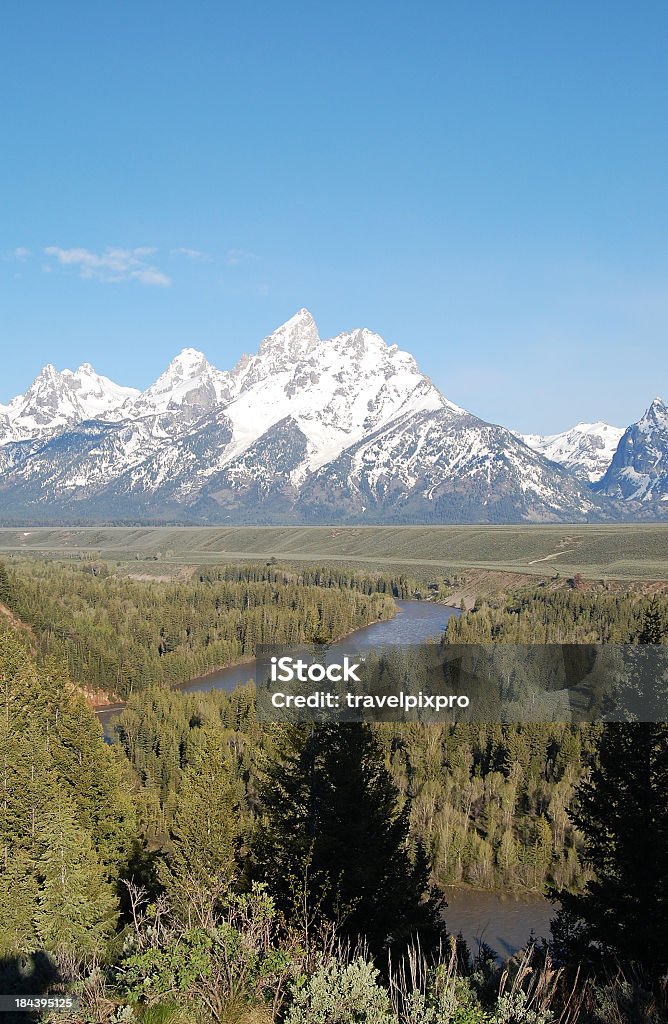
{"points": [[416, 622], [501, 920]]}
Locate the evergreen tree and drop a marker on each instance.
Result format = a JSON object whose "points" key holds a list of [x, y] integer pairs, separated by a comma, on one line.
{"points": [[335, 845], [653, 629], [76, 908], [205, 831], [65, 821], [5, 587], [19, 891], [623, 813]]}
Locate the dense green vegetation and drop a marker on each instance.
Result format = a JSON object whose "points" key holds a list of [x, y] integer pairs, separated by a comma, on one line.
{"points": [[332, 841], [121, 635], [207, 868], [68, 825], [488, 803], [571, 615], [622, 811]]}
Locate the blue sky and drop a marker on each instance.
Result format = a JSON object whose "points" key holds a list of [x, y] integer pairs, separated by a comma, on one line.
{"points": [[482, 183]]}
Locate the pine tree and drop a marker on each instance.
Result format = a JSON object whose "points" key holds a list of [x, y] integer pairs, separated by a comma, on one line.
{"points": [[5, 587], [623, 814], [76, 908], [64, 819], [98, 781], [201, 861], [19, 892], [653, 630], [337, 836]]}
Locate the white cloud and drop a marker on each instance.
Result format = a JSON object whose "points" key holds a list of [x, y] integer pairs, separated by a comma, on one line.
{"points": [[152, 276], [235, 257], [18, 255], [189, 254], [112, 265]]}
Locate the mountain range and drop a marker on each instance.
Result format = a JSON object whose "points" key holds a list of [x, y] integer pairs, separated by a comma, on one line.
{"points": [[346, 430]]}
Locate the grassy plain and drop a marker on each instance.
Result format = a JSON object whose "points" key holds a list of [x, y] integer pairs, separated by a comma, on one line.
{"points": [[619, 552]]}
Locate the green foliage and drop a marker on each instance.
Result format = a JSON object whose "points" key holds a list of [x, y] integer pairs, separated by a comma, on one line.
{"points": [[5, 586], [205, 829], [334, 844], [67, 824], [654, 627], [344, 823], [477, 793], [123, 635], [623, 813], [76, 908], [536, 615], [172, 967], [232, 967], [512, 1008], [338, 993], [446, 999]]}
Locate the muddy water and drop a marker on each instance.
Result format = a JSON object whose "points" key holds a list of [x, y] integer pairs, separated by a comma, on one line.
{"points": [[501, 920]]}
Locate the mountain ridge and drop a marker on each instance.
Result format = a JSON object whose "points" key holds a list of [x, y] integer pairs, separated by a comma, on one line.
{"points": [[345, 429], [586, 448]]}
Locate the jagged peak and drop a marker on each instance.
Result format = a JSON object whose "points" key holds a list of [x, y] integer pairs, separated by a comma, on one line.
{"points": [[656, 412], [48, 372], [365, 342], [297, 336], [188, 358], [187, 365]]}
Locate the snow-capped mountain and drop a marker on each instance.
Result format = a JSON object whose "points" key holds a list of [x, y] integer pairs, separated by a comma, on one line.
{"points": [[58, 400], [586, 449], [446, 466], [189, 388], [638, 472], [306, 430], [335, 392]]}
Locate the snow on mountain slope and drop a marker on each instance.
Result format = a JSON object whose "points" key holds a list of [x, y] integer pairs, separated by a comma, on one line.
{"points": [[334, 391], [188, 388], [639, 468], [446, 466], [586, 449], [56, 400], [304, 431]]}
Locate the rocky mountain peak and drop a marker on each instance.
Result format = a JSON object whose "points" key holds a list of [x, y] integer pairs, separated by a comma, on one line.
{"points": [[189, 387], [656, 414], [586, 448], [292, 341], [340, 430], [638, 471]]}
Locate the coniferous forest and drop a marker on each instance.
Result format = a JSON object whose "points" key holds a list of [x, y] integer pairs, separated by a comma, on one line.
{"points": [[203, 867]]}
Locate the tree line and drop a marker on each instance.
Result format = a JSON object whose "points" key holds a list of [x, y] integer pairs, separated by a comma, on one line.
{"points": [[121, 635]]}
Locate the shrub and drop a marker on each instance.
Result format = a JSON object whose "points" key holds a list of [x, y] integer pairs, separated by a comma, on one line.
{"points": [[338, 993]]}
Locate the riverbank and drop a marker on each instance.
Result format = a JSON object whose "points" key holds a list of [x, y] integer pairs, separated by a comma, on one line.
{"points": [[109, 705], [415, 622]]}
